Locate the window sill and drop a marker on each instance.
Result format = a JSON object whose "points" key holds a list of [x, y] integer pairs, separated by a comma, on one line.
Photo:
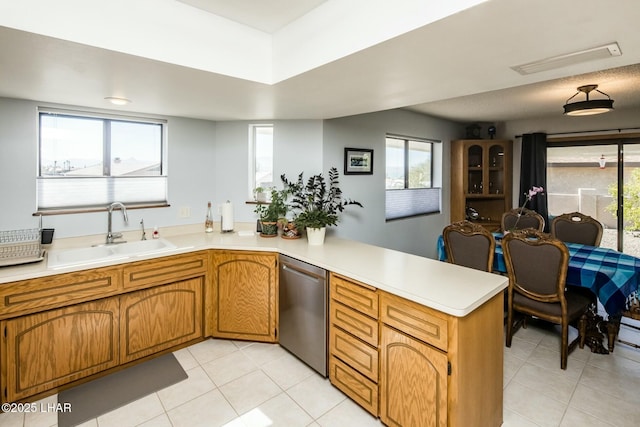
{"points": [[50, 212]]}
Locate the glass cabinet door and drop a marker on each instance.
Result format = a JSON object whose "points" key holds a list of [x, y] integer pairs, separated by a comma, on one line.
{"points": [[475, 162], [496, 170]]}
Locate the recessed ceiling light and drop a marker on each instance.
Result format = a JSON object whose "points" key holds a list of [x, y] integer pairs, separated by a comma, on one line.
{"points": [[118, 101]]}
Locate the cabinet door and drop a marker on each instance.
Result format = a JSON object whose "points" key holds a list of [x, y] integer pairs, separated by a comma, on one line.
{"points": [[160, 318], [413, 382], [244, 295], [45, 350]]}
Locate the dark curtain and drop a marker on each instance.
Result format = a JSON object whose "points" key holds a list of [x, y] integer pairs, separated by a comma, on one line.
{"points": [[533, 172]]}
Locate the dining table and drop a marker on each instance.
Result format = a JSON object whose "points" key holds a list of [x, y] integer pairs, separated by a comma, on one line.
{"points": [[612, 276]]}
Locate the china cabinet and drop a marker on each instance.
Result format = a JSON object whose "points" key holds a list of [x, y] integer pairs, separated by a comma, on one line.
{"points": [[481, 181]]}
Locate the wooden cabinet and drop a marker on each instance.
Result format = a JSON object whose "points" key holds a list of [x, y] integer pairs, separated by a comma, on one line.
{"points": [[481, 179], [440, 370], [353, 341], [45, 350], [414, 364], [52, 338], [413, 382], [244, 295], [159, 318]]}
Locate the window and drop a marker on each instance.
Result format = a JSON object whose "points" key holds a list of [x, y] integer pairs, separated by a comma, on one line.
{"points": [[599, 178], [88, 161], [409, 177], [261, 151], [408, 163]]}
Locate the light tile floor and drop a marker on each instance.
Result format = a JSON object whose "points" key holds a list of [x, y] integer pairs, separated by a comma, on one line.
{"points": [[237, 384]]}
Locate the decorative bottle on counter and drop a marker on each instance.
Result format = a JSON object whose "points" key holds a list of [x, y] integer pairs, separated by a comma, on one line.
{"points": [[208, 222]]}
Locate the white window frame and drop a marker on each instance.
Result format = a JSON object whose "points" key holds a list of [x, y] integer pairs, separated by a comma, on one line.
{"points": [[253, 129], [409, 202], [65, 194]]}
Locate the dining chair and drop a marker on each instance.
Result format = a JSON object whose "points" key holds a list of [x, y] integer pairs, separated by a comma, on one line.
{"points": [[537, 267], [576, 227], [521, 218], [469, 244]]}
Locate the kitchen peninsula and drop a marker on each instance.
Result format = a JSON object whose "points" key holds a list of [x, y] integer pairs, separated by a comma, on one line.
{"points": [[435, 345]]}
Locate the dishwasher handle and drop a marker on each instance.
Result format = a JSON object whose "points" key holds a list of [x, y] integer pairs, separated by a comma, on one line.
{"points": [[296, 270]]}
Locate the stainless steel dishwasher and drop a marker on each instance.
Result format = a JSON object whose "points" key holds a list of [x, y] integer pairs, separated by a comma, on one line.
{"points": [[303, 312]]}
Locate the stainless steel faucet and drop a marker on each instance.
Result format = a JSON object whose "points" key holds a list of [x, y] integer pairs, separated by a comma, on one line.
{"points": [[144, 233], [110, 235]]}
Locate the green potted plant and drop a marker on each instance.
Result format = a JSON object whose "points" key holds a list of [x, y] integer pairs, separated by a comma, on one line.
{"points": [[317, 203], [271, 212], [260, 194]]}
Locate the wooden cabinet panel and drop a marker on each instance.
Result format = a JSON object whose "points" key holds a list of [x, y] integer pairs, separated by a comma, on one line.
{"points": [[353, 341], [245, 290], [164, 270], [354, 353], [353, 294], [355, 323], [416, 320], [413, 382], [355, 385], [28, 296], [160, 318], [45, 350]]}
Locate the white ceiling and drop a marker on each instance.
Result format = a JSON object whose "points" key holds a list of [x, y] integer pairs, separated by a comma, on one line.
{"points": [[265, 15], [457, 67]]}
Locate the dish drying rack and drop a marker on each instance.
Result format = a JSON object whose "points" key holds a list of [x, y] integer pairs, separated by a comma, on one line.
{"points": [[21, 246]]}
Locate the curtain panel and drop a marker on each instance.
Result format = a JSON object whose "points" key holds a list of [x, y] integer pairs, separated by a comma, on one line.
{"points": [[533, 172]]}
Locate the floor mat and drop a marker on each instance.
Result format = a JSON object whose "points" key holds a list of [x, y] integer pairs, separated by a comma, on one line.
{"points": [[105, 394]]}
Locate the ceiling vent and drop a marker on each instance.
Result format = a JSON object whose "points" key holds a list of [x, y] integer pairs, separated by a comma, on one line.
{"points": [[601, 52]]}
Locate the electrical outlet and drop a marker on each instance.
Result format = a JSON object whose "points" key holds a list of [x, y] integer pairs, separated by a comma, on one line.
{"points": [[184, 212]]}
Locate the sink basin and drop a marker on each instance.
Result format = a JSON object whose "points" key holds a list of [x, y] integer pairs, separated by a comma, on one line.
{"points": [[143, 247], [96, 254], [80, 256]]}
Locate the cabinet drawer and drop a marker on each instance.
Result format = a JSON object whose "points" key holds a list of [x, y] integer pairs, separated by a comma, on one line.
{"points": [[354, 352], [414, 319], [352, 294], [355, 323], [164, 270], [355, 385], [28, 296]]}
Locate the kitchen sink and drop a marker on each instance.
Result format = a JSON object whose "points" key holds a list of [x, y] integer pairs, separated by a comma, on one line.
{"points": [[143, 247], [95, 254]]}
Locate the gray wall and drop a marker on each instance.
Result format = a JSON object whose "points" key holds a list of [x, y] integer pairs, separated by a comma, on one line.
{"points": [[191, 152], [415, 235], [208, 161], [297, 147]]}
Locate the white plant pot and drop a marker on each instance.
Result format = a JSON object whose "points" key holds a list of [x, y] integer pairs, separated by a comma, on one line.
{"points": [[315, 236]]}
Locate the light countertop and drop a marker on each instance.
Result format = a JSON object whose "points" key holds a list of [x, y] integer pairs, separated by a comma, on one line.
{"points": [[445, 287]]}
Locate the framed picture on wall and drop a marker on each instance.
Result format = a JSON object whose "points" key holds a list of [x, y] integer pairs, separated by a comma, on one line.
{"points": [[358, 161]]}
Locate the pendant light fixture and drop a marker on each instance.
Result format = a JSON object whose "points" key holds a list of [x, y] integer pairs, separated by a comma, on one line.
{"points": [[602, 162], [590, 106]]}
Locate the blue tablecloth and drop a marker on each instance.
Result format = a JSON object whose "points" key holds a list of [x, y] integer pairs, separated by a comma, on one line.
{"points": [[611, 275]]}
